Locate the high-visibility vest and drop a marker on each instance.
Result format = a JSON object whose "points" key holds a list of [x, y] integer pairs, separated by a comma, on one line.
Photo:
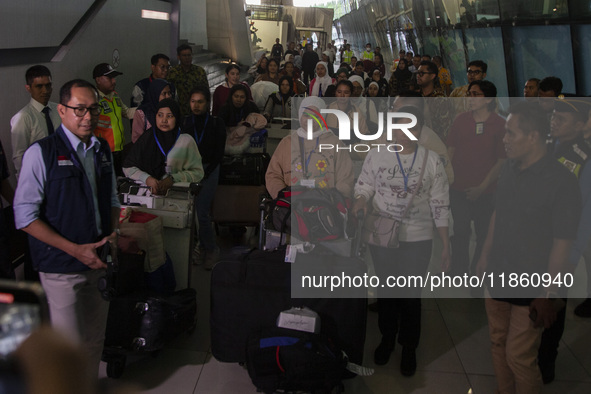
{"points": [[110, 123], [367, 55], [347, 55]]}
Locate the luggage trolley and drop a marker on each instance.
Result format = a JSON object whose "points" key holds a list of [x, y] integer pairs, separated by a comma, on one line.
{"points": [[151, 320], [178, 218]]}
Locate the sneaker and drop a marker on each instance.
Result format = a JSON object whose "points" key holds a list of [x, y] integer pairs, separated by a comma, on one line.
{"points": [[584, 308], [211, 258], [408, 363], [198, 255], [382, 353]]}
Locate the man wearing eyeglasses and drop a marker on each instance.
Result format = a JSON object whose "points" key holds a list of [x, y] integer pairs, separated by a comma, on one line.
{"points": [[437, 109], [66, 201], [476, 72], [160, 66], [110, 122]]}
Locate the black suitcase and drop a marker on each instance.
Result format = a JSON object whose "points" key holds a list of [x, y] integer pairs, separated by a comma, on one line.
{"points": [[247, 169], [141, 322], [248, 292]]}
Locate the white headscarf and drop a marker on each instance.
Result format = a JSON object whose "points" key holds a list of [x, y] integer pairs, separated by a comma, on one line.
{"points": [[358, 79], [323, 82], [310, 101]]}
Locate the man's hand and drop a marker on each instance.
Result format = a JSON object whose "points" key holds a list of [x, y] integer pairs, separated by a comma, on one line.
{"points": [[473, 193], [152, 183], [86, 253], [545, 314]]}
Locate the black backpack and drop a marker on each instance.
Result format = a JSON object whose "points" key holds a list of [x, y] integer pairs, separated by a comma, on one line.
{"points": [[290, 360]]}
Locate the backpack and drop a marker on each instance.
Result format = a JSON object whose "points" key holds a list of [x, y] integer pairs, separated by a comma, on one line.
{"points": [[289, 360], [311, 215]]}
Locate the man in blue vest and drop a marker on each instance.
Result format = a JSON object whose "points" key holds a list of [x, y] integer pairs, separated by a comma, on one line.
{"points": [[66, 201]]}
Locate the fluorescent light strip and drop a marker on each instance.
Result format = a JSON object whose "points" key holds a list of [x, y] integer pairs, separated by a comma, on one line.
{"points": [[149, 14]]}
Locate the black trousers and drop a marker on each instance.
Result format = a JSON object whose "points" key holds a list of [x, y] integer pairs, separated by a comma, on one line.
{"points": [[399, 308], [464, 212]]}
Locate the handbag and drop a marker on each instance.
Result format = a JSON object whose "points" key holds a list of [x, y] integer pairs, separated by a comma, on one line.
{"points": [[381, 230], [147, 230]]}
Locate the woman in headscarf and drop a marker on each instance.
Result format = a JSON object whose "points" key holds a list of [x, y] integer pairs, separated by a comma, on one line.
{"points": [[162, 155], [220, 96], [279, 103], [321, 168], [209, 133], [145, 115], [376, 76], [322, 81], [378, 61], [272, 74], [237, 106], [326, 58], [400, 79]]}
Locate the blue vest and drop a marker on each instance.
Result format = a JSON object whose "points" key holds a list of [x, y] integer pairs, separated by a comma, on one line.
{"points": [[68, 205]]}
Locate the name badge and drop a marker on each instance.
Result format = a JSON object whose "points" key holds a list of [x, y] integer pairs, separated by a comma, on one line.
{"points": [[479, 128], [106, 108], [118, 102], [311, 183]]}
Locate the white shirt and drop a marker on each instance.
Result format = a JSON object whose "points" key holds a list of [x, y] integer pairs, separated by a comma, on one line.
{"points": [[28, 126]]}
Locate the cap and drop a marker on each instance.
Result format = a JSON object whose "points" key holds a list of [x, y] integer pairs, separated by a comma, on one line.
{"points": [[105, 69]]}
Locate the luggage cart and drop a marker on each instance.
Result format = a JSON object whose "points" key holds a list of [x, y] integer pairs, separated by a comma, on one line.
{"points": [[152, 320]]}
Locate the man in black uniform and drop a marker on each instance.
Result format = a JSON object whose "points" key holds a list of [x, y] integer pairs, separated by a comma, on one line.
{"points": [[571, 150]]}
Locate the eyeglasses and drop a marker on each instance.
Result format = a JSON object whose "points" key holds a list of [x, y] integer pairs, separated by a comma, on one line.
{"points": [[474, 94], [81, 111], [422, 73], [474, 72]]}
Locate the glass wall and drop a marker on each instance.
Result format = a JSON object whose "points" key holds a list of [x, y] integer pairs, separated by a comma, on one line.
{"points": [[542, 51]]}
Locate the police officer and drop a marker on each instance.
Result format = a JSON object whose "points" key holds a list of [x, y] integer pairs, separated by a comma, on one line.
{"points": [[110, 122]]}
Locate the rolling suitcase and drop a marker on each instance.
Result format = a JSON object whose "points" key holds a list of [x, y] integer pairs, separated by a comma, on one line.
{"points": [[140, 322], [248, 292]]}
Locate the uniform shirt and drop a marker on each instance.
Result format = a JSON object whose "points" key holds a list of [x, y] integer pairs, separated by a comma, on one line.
{"points": [[184, 82], [30, 191], [28, 126], [533, 206]]}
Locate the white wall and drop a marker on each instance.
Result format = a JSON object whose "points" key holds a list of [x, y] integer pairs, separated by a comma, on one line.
{"points": [[193, 26], [118, 25], [269, 31]]}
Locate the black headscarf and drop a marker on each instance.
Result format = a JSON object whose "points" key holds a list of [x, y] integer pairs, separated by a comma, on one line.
{"points": [[146, 154], [402, 75], [152, 98], [232, 115], [291, 92]]}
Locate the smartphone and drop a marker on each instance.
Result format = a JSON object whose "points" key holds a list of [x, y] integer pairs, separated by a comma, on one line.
{"points": [[23, 308]]}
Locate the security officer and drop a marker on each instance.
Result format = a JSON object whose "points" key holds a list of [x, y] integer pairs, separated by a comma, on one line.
{"points": [[110, 122]]}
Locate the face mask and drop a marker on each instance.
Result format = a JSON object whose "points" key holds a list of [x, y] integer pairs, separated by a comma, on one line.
{"points": [[368, 48]]}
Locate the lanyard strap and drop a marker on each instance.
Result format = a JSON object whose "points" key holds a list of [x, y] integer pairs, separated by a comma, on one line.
{"points": [[160, 146], [198, 140], [405, 176], [303, 154]]}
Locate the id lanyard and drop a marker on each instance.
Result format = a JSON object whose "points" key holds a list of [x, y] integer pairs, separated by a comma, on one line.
{"points": [[160, 146], [198, 140], [307, 163], [405, 176]]}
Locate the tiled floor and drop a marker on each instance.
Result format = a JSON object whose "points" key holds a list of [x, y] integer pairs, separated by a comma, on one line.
{"points": [[453, 356]]}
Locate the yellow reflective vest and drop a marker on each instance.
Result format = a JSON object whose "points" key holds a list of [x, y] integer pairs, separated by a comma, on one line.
{"points": [[110, 123]]}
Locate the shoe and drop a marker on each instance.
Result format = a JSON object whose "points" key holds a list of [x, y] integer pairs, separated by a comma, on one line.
{"points": [[198, 255], [408, 363], [382, 353], [584, 308], [211, 258], [547, 370]]}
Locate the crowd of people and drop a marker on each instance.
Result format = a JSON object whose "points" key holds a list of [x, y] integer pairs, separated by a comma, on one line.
{"points": [[513, 174]]}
